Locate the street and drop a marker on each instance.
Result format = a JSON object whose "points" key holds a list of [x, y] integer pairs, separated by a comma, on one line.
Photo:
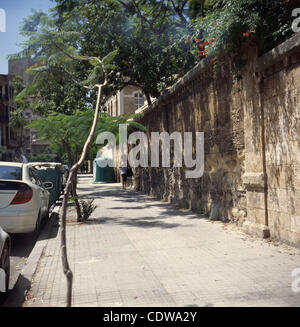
{"points": [[21, 247]]}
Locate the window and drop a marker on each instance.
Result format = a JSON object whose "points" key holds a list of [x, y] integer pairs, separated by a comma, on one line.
{"points": [[138, 100], [9, 172]]}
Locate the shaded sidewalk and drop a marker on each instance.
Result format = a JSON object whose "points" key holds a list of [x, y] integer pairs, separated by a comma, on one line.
{"points": [[135, 251]]}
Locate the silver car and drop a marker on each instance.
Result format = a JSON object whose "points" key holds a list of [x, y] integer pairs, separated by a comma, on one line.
{"points": [[24, 199], [4, 262]]}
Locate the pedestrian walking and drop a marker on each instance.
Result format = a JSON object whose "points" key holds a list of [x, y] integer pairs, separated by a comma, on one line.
{"points": [[123, 171], [19, 156]]}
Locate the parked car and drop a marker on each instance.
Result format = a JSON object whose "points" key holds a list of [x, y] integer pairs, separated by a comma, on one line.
{"points": [[4, 262], [24, 199]]}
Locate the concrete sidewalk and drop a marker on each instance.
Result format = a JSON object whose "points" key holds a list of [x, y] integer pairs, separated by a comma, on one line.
{"points": [[138, 252]]}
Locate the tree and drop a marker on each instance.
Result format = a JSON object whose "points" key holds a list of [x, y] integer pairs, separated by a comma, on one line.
{"points": [[58, 51], [41, 157], [66, 134], [53, 89], [54, 86], [196, 8], [232, 23], [149, 36], [17, 120]]}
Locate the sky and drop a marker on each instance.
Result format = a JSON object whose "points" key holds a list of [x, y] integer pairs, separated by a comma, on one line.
{"points": [[15, 12]]}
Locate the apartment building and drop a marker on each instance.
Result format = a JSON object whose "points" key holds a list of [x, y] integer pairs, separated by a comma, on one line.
{"points": [[125, 101], [30, 143], [4, 116]]}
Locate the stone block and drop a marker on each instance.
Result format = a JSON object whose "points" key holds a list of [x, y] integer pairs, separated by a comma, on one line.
{"points": [[256, 215], [296, 177], [295, 223], [255, 198], [252, 139], [284, 200], [281, 123], [279, 220], [277, 201], [283, 153], [296, 76], [253, 180], [253, 162], [281, 176], [276, 85]]}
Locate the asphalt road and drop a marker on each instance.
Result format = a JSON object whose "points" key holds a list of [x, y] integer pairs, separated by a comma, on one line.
{"points": [[21, 247]]}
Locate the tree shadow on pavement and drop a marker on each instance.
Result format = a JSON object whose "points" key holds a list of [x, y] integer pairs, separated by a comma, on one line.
{"points": [[142, 201], [144, 222]]}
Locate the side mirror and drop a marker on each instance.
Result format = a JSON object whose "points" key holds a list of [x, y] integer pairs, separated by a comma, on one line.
{"points": [[48, 185]]}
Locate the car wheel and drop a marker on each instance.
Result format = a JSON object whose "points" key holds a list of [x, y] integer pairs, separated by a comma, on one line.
{"points": [[5, 265]]}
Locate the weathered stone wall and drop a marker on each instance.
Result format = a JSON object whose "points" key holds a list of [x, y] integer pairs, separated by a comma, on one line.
{"points": [[252, 148], [272, 134], [213, 105]]}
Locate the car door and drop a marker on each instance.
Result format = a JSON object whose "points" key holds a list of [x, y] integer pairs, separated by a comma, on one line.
{"points": [[46, 194], [42, 193]]}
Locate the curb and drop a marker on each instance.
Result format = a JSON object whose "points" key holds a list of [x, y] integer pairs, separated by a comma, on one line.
{"points": [[23, 284]]}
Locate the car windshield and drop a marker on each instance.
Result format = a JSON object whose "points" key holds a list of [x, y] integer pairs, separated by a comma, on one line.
{"points": [[12, 173]]}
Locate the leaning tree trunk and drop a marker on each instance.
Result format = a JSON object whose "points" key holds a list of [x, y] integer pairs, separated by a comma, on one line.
{"points": [[148, 98], [73, 189], [66, 268], [75, 197]]}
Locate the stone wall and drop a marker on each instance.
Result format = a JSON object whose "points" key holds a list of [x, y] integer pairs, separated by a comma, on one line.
{"points": [[252, 149], [213, 105], [272, 135]]}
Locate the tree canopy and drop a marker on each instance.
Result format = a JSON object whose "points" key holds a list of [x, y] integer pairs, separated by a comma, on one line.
{"points": [[67, 133], [149, 36]]}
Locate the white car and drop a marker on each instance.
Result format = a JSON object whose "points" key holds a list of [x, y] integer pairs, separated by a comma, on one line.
{"points": [[24, 199], [4, 262]]}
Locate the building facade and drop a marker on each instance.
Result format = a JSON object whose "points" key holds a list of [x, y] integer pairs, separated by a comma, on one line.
{"points": [[125, 101], [4, 117], [30, 143]]}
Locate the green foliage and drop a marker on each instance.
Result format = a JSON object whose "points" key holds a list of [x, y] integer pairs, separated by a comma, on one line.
{"points": [[63, 87], [59, 72], [87, 208], [17, 119], [232, 23], [67, 133], [41, 157], [148, 35]]}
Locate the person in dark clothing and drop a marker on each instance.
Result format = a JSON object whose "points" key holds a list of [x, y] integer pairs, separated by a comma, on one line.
{"points": [[123, 171]]}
